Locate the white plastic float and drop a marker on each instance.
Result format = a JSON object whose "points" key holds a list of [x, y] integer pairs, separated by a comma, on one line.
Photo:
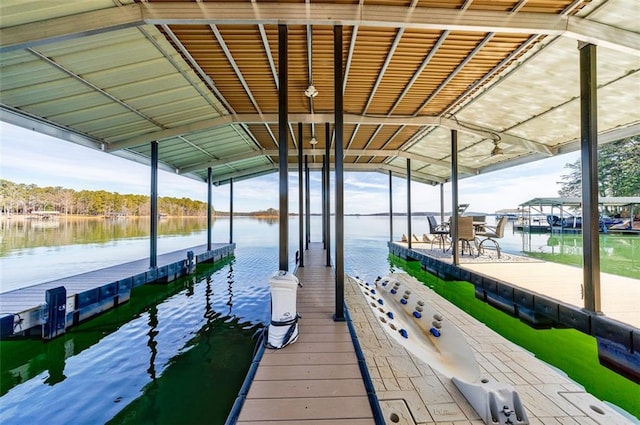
{"points": [[416, 325]]}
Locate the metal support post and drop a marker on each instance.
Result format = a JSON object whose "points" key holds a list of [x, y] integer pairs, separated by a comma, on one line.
{"points": [[339, 171], [153, 237], [454, 197], [589, 159], [323, 210], [441, 203], [307, 194], [390, 206], [327, 189], [209, 207], [409, 203], [300, 198], [283, 145], [231, 210]]}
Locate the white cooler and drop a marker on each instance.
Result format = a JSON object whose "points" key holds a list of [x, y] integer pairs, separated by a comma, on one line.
{"points": [[283, 329]]}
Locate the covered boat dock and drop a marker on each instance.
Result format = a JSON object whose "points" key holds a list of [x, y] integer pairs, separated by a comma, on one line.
{"points": [[432, 91], [564, 219]]}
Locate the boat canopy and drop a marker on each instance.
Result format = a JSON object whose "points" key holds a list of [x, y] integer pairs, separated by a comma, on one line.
{"points": [[612, 201]]}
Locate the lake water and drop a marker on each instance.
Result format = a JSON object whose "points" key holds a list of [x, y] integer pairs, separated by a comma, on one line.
{"points": [[33, 252], [175, 348]]}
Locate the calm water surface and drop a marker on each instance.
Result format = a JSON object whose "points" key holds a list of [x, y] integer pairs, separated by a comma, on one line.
{"points": [[174, 349]]}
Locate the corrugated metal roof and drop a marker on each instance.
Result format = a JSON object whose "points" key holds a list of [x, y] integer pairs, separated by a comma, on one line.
{"points": [[201, 78]]}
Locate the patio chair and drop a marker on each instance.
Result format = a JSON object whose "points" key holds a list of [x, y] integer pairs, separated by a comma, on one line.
{"points": [[492, 233], [466, 233], [439, 231]]}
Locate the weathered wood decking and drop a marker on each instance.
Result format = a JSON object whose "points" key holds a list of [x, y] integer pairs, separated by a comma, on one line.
{"points": [[317, 379]]}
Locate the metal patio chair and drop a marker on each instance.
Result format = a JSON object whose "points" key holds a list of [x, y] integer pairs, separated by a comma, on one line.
{"points": [[492, 233], [439, 231]]}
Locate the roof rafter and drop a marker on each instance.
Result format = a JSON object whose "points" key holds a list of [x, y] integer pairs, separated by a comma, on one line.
{"points": [[213, 13]]}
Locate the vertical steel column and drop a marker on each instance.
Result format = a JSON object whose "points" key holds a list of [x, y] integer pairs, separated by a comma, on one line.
{"points": [[231, 210], [300, 198], [153, 237], [324, 203], [441, 202], [339, 159], [327, 188], [589, 159], [454, 196], [390, 206], [409, 203], [209, 207], [283, 98], [307, 200]]}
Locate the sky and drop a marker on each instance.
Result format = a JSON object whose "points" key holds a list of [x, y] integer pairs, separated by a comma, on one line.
{"points": [[33, 158]]}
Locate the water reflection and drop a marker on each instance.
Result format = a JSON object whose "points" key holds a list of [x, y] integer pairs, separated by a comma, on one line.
{"points": [[230, 287], [103, 365], [22, 234], [152, 344], [619, 254]]}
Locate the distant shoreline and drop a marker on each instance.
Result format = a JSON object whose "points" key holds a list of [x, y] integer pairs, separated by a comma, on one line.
{"points": [[71, 217]]}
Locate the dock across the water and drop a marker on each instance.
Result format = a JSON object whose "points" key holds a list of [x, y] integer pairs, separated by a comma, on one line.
{"points": [[52, 307]]}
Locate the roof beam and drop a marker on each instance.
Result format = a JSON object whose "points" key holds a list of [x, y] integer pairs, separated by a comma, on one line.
{"points": [[395, 17], [381, 168], [67, 27], [214, 13], [347, 152], [322, 118]]}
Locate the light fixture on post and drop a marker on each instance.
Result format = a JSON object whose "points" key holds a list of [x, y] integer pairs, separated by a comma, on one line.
{"points": [[311, 92]]}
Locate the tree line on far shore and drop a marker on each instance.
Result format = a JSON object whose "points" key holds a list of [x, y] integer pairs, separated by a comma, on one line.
{"points": [[21, 198]]}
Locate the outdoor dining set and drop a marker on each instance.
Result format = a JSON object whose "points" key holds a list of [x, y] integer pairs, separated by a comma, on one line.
{"points": [[473, 232]]}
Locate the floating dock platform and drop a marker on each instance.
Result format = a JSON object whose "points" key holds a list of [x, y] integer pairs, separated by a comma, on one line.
{"points": [[318, 379], [412, 392], [354, 372], [48, 309], [545, 295]]}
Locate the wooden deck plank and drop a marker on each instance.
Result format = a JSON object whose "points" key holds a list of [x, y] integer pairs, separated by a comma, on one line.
{"points": [[284, 358], [312, 422], [307, 389], [345, 408], [320, 347], [307, 372], [324, 329]]}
